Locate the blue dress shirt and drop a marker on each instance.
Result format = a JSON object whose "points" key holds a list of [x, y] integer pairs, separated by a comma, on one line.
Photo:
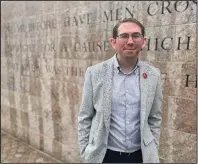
{"points": [[124, 133]]}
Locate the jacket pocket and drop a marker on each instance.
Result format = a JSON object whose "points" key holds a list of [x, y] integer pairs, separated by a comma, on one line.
{"points": [[148, 140], [148, 136], [91, 138], [94, 126]]}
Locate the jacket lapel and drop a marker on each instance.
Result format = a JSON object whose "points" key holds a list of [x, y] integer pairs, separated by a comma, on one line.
{"points": [[107, 90], [143, 91]]}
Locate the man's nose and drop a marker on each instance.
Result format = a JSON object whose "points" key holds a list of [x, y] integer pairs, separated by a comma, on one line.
{"points": [[130, 40]]}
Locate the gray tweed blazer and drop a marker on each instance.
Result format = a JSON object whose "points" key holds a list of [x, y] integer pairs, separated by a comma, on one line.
{"points": [[95, 112]]}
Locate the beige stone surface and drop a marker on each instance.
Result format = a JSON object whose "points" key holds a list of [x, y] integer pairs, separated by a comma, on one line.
{"points": [[15, 151], [181, 115], [17, 9], [172, 150], [47, 47]]}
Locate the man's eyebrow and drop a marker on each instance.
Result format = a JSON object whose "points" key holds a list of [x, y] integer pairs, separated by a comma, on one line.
{"points": [[131, 33]]}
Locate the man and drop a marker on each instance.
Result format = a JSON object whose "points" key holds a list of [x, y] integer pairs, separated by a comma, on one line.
{"points": [[120, 114]]}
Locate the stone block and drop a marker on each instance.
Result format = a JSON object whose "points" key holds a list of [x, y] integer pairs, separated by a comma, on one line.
{"points": [[35, 105], [23, 134], [24, 102], [35, 139], [12, 10], [25, 120], [182, 109], [5, 118], [48, 127], [34, 122], [33, 8], [53, 148], [5, 97], [35, 87], [185, 43], [49, 7], [172, 148]]}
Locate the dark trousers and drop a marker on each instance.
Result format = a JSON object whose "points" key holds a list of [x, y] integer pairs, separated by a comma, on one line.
{"points": [[117, 157]]}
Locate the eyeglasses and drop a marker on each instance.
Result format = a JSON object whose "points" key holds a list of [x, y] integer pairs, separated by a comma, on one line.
{"points": [[135, 36]]}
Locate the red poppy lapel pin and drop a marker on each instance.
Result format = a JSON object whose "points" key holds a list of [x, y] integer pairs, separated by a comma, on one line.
{"points": [[144, 75]]}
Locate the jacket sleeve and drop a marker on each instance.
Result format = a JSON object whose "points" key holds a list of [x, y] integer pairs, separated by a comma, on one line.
{"points": [[86, 113], [155, 116]]}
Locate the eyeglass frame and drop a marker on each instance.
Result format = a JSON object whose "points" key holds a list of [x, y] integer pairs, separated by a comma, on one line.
{"points": [[134, 39]]}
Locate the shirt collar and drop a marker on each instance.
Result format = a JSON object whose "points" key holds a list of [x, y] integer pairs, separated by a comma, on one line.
{"points": [[117, 67]]}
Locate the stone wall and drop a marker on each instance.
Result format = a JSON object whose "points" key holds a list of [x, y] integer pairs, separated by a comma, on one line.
{"points": [[47, 46]]}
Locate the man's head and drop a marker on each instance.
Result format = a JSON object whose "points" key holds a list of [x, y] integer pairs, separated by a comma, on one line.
{"points": [[128, 37]]}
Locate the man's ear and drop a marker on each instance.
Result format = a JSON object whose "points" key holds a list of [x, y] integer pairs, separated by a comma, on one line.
{"points": [[144, 42], [113, 42]]}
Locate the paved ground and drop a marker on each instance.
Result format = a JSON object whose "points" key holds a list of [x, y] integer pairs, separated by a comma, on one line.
{"points": [[15, 151]]}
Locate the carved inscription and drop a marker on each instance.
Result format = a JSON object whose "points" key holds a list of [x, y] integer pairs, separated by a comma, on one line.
{"points": [[91, 48], [153, 44], [30, 67], [183, 43], [163, 7], [67, 71], [31, 26], [32, 47], [153, 8], [191, 81]]}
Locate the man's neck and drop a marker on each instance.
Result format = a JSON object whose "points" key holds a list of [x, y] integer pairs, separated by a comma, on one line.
{"points": [[127, 64]]}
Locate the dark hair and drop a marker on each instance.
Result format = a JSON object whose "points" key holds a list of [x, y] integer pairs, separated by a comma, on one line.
{"points": [[131, 20]]}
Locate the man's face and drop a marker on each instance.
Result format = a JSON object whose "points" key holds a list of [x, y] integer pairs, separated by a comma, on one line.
{"points": [[124, 44]]}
